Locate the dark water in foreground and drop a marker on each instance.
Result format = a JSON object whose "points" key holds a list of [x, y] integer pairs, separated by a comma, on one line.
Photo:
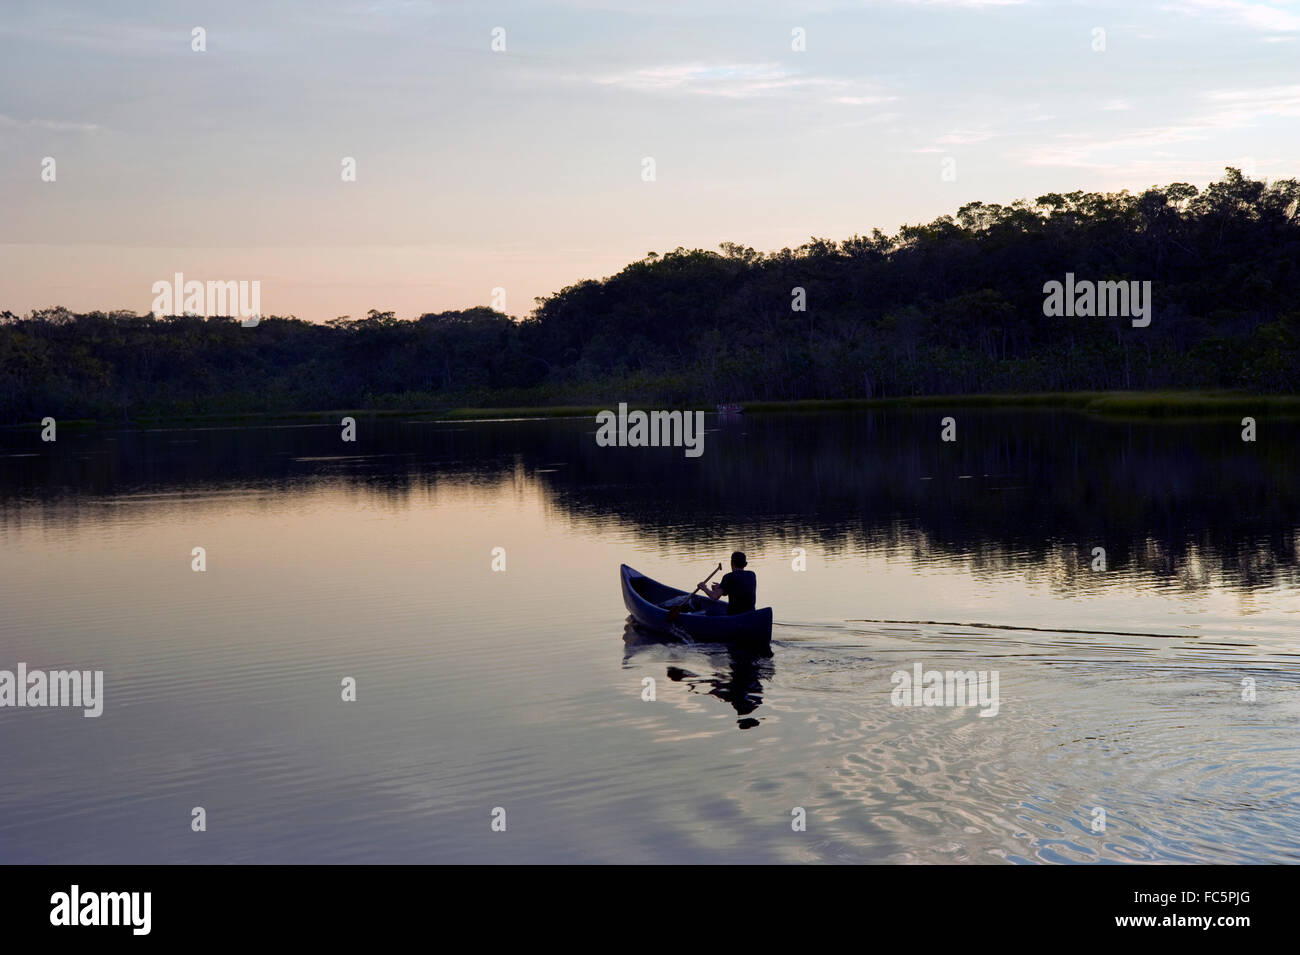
{"points": [[1119, 690]]}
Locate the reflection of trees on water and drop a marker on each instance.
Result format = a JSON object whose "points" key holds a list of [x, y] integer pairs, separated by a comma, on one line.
{"points": [[736, 677], [1031, 492], [1024, 491]]}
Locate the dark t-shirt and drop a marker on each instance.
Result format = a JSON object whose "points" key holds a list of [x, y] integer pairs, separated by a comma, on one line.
{"points": [[741, 588]]}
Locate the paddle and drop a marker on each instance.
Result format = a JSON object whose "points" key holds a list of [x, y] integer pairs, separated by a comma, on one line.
{"points": [[677, 611]]}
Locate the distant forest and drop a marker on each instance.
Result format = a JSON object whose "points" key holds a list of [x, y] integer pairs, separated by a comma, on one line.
{"points": [[955, 306]]}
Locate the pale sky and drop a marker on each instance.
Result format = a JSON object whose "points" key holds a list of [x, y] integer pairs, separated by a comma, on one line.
{"points": [[522, 169]]}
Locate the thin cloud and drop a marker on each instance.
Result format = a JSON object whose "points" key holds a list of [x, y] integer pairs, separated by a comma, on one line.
{"points": [[964, 137], [781, 7], [743, 81], [1164, 169], [1223, 110], [1258, 16], [1241, 107], [970, 4], [55, 125]]}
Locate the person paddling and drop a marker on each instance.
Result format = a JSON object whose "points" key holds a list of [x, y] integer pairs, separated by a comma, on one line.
{"points": [[740, 587]]}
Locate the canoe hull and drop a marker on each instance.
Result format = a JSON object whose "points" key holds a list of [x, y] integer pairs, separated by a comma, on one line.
{"points": [[643, 596]]}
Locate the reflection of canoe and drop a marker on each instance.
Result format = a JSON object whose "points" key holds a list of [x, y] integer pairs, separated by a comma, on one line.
{"points": [[732, 672], [710, 624]]}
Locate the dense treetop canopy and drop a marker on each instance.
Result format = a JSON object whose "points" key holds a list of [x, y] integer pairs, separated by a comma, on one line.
{"points": [[955, 305]]}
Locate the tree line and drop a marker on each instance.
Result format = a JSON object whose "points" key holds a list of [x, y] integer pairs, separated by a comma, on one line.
{"points": [[953, 306]]}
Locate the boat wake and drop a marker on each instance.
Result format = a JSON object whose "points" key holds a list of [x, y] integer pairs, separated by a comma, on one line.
{"points": [[1021, 627]]}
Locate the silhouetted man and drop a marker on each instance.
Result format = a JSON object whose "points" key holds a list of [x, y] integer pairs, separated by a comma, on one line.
{"points": [[740, 587]]}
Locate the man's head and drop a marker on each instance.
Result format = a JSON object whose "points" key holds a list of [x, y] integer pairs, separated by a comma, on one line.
{"points": [[737, 561]]}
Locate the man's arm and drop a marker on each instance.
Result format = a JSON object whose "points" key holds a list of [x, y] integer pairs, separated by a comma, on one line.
{"points": [[712, 591]]}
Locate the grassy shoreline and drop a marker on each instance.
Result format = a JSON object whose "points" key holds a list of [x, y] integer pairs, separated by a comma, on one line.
{"points": [[1117, 404], [1109, 403]]}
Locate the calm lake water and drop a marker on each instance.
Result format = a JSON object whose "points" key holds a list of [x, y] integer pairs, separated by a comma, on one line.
{"points": [[1120, 690]]}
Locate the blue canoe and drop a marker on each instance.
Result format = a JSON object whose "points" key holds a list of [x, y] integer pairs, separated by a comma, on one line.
{"points": [[711, 623]]}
